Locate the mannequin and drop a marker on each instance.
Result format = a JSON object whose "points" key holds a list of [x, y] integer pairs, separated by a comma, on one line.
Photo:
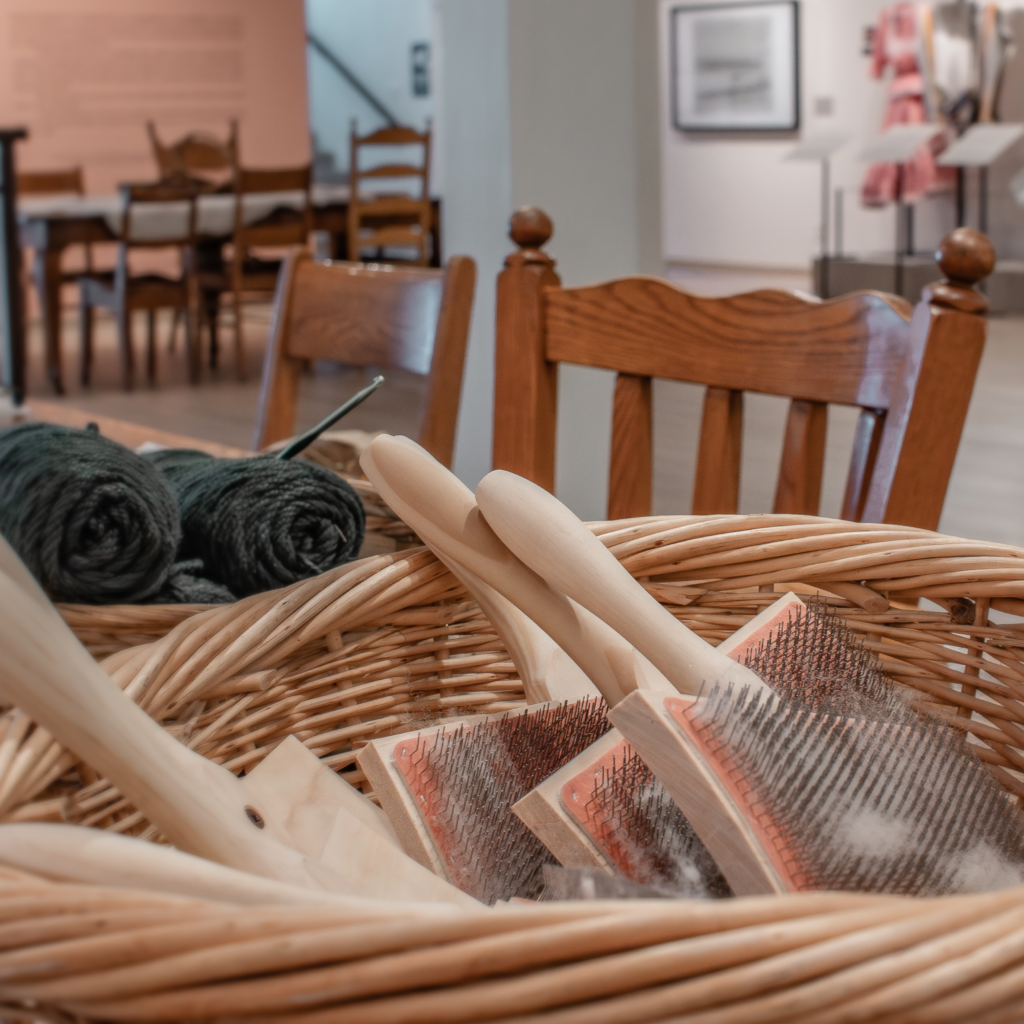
{"points": [[901, 41], [947, 63]]}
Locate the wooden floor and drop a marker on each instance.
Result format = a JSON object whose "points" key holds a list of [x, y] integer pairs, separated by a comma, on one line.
{"points": [[986, 495]]}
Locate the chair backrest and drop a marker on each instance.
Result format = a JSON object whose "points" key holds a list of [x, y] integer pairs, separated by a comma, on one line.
{"points": [[910, 369], [378, 219], [155, 216], [51, 183], [285, 226], [199, 158], [369, 315], [396, 135]]}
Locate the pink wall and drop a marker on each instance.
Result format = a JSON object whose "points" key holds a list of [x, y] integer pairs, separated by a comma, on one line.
{"points": [[85, 75]]}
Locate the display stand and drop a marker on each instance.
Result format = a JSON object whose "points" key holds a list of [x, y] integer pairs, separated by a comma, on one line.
{"points": [[821, 148], [980, 146], [897, 146], [12, 302]]}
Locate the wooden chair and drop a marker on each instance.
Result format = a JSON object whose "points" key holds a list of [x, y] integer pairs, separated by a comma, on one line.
{"points": [[208, 164], [389, 221], [367, 315], [910, 370], [198, 159], [123, 292], [55, 183], [248, 273]]}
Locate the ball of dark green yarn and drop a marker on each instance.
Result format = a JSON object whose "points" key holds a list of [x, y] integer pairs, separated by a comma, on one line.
{"points": [[93, 521], [262, 523]]}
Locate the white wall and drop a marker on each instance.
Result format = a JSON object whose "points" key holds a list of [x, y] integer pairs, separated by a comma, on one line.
{"points": [[476, 148], [736, 200], [84, 76], [572, 130], [373, 38]]}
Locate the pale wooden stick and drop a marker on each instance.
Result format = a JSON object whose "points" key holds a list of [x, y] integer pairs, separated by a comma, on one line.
{"points": [[69, 853]]}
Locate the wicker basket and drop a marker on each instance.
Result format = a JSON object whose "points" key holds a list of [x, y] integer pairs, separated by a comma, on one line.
{"points": [[391, 643]]}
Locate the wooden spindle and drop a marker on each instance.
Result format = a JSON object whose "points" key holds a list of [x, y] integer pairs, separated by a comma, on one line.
{"points": [[947, 337], [798, 490], [525, 382], [717, 480], [629, 486]]}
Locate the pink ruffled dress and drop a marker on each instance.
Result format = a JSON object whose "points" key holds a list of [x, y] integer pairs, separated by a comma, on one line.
{"points": [[898, 43]]}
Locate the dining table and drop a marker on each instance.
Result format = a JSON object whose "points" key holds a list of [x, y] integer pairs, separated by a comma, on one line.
{"points": [[50, 224]]}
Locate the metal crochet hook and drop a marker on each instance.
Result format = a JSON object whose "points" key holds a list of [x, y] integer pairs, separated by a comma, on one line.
{"points": [[302, 442]]}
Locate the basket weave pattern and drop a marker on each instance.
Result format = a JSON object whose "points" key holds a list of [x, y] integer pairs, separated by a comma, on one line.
{"points": [[393, 643]]}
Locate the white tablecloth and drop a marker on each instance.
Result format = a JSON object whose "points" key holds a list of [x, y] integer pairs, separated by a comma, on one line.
{"points": [[215, 214]]}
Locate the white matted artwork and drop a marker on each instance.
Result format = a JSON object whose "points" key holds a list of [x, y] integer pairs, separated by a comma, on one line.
{"points": [[735, 66]]}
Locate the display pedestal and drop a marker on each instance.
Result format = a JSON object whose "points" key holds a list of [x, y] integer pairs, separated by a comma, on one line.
{"points": [[1004, 286], [979, 147], [821, 149], [897, 146]]}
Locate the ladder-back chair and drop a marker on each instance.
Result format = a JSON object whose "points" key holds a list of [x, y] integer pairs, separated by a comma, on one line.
{"points": [[382, 221], [69, 182], [288, 222], [198, 158], [154, 217], [910, 370], [369, 315], [208, 164]]}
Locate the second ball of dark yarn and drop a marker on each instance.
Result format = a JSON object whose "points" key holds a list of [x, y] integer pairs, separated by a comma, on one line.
{"points": [[262, 523]]}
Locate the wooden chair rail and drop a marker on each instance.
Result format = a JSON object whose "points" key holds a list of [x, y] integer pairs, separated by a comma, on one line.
{"points": [[909, 369], [40, 183]]}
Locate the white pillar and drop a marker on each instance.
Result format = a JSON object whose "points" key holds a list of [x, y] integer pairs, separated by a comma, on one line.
{"points": [[572, 128]]}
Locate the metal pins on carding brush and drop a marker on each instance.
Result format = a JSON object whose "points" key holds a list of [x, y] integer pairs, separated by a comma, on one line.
{"points": [[301, 443]]}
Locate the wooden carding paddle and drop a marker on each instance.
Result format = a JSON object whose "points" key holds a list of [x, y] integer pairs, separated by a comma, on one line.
{"points": [[449, 790], [299, 828], [606, 810]]}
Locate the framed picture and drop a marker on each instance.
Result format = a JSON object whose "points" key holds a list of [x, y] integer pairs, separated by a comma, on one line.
{"points": [[735, 67]]}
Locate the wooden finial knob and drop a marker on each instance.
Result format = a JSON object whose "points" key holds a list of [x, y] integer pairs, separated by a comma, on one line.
{"points": [[966, 256], [530, 227]]}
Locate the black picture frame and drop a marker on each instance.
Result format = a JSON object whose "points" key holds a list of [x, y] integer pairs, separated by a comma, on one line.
{"points": [[748, 79]]}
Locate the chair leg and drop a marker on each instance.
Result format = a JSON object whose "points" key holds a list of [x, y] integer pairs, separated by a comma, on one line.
{"points": [[151, 345], [175, 313], [210, 304], [124, 338], [193, 343], [85, 325], [239, 341]]}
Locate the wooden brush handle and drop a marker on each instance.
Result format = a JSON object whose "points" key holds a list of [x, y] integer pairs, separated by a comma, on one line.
{"points": [[546, 536], [198, 805], [547, 672], [443, 512]]}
